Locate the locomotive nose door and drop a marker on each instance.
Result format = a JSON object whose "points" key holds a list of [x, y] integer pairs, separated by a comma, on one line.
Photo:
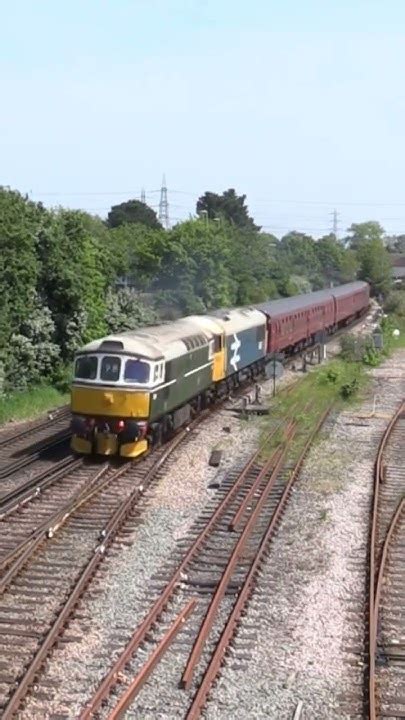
{"points": [[218, 371]]}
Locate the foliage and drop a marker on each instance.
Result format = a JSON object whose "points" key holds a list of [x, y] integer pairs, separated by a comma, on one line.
{"points": [[30, 403], [344, 378], [20, 223], [136, 254], [299, 254], [33, 354], [395, 303], [360, 348], [125, 311], [133, 211], [395, 243], [195, 267], [61, 274], [337, 264], [229, 207], [73, 279], [375, 266], [365, 232]]}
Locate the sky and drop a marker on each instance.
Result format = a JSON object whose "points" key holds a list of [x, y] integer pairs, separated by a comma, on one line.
{"points": [[298, 104]]}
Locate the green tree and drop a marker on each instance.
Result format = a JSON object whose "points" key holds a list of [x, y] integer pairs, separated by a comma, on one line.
{"points": [[20, 224], [229, 206], [132, 211], [126, 311], [337, 264], [297, 252], [360, 233], [253, 265], [73, 279], [33, 353], [375, 265], [135, 253], [396, 243], [195, 269]]}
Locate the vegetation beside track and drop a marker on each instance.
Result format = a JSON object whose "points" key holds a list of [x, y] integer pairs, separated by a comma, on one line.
{"points": [[30, 404], [338, 383]]}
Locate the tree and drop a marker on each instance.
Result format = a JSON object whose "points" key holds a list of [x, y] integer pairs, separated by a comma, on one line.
{"points": [[337, 264], [396, 243], [364, 232], [132, 211], [298, 253], [253, 265], [126, 311], [135, 253], [34, 354], [20, 224], [73, 279], [375, 265], [195, 268], [229, 206]]}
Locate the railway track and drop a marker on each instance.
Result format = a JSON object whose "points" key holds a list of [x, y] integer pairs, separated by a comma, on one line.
{"points": [[386, 671], [34, 426], [200, 600], [47, 569]]}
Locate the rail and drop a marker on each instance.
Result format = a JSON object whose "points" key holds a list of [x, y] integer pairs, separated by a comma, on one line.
{"points": [[378, 559], [255, 480]]}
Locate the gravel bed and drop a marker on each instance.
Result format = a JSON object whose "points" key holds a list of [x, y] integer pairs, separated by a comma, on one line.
{"points": [[115, 603], [306, 603], [310, 643]]}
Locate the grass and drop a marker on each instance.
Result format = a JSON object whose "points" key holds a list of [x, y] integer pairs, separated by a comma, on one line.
{"points": [[31, 403], [336, 383], [397, 322]]}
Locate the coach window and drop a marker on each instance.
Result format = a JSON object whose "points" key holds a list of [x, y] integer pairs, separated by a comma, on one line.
{"points": [[86, 367], [137, 371], [110, 368]]}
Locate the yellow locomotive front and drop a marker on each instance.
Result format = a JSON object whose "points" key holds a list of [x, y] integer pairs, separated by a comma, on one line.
{"points": [[110, 404]]}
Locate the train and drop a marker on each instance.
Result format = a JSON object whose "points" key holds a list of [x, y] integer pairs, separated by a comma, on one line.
{"points": [[134, 389]]}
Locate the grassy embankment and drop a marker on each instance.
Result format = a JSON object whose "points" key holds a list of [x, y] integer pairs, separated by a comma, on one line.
{"points": [[339, 383], [31, 403]]}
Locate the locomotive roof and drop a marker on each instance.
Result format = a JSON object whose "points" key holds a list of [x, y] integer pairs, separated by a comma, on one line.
{"points": [[156, 342], [300, 302], [238, 319]]}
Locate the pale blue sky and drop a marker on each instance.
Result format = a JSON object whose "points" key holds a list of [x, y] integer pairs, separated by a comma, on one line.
{"points": [[300, 104]]}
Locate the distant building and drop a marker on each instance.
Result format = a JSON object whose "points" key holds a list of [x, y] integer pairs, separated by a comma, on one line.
{"points": [[398, 268]]}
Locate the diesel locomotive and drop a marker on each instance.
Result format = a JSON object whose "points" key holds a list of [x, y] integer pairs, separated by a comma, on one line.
{"points": [[133, 389]]}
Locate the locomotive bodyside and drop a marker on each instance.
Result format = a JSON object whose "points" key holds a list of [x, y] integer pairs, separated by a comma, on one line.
{"points": [[245, 337], [134, 389]]}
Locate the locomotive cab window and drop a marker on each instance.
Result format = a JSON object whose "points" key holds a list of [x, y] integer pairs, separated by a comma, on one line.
{"points": [[86, 367], [110, 368], [217, 343], [137, 371]]}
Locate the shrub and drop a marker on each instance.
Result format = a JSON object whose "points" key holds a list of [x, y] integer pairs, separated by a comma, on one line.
{"points": [[32, 355], [125, 311]]}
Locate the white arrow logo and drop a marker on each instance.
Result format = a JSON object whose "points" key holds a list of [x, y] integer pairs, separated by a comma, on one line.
{"points": [[235, 357]]}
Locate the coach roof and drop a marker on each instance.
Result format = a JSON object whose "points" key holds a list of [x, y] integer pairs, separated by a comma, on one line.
{"points": [[297, 303]]}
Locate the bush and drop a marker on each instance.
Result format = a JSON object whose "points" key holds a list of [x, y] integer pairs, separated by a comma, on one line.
{"points": [[32, 354], [359, 348], [350, 388], [125, 311], [395, 303], [344, 377]]}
